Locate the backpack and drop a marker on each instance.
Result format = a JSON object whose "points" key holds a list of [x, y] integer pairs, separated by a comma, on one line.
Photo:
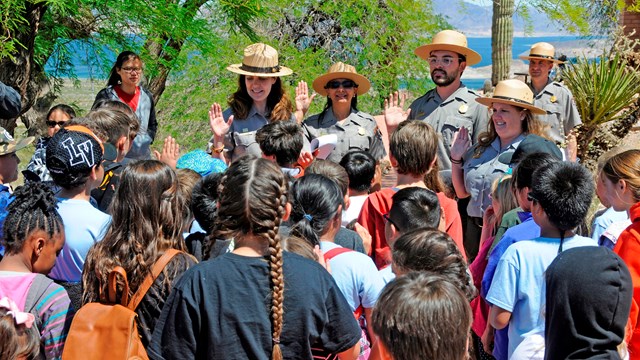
{"points": [[109, 331]]}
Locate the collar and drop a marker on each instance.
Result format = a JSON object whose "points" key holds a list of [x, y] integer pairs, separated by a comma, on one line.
{"points": [[254, 112], [495, 144], [524, 216], [544, 88], [330, 119], [454, 96]]}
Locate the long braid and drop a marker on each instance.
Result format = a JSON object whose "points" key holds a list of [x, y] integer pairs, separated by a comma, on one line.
{"points": [[277, 276]]}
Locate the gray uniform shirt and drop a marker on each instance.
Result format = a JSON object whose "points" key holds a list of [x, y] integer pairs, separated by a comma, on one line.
{"points": [[359, 131], [448, 115], [562, 113], [481, 172]]}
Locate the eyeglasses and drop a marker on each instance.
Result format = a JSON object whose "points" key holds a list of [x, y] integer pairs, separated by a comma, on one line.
{"points": [[132, 69], [445, 61], [531, 197], [51, 123], [335, 84], [387, 218]]}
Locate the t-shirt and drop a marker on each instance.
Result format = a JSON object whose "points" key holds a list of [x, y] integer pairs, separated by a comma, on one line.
{"points": [[353, 211], [518, 285], [356, 276], [52, 308], [84, 225], [602, 222], [387, 274], [220, 309], [379, 203]]}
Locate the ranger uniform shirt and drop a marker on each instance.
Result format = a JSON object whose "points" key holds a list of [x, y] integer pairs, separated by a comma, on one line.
{"points": [[562, 113]]}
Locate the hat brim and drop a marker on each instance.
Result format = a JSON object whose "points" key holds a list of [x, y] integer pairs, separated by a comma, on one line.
{"points": [[11, 148], [555, 61], [319, 83], [487, 101], [237, 68], [424, 52]]}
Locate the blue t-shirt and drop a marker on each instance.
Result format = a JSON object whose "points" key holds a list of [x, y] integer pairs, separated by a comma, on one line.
{"points": [[5, 200], [84, 225], [602, 222], [387, 274], [519, 285]]}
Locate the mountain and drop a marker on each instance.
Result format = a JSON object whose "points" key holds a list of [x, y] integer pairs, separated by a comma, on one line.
{"points": [[475, 19]]}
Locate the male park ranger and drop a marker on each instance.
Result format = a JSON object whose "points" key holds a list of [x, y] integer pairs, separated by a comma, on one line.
{"points": [[450, 105], [562, 115]]}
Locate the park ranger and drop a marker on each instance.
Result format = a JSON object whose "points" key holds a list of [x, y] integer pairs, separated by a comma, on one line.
{"points": [[562, 115]]}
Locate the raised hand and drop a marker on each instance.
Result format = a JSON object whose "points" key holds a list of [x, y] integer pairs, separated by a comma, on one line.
{"points": [[170, 152], [461, 143], [393, 110], [219, 127], [303, 100]]}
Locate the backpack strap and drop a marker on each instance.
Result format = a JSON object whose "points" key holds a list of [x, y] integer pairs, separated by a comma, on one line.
{"points": [[112, 288], [148, 281], [335, 252]]}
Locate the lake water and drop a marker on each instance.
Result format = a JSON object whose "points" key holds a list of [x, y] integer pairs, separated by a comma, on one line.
{"points": [[480, 44]]}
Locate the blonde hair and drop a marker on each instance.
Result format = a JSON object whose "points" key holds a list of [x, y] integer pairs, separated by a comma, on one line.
{"points": [[625, 166], [502, 192]]}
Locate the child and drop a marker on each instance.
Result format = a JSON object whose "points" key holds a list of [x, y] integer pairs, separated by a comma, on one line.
{"points": [[422, 316], [233, 306], [561, 194], [55, 120], [413, 148], [204, 204], [282, 141], [74, 160], [362, 168], [20, 338], [33, 236]]}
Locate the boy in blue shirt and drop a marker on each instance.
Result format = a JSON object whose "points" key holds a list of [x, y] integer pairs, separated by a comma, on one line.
{"points": [[561, 195]]}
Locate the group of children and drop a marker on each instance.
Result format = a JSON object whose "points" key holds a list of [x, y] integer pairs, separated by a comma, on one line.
{"points": [[286, 256]]}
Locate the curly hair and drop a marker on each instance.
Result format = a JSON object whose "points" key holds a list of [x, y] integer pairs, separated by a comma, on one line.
{"points": [[146, 221], [18, 341], [433, 250], [252, 200], [34, 208], [279, 105]]}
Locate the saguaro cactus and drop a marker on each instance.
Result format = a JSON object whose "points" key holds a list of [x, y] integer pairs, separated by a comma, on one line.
{"points": [[501, 39]]}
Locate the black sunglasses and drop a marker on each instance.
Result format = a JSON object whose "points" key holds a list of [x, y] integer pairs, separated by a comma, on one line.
{"points": [[387, 218], [531, 197], [335, 84], [51, 123]]}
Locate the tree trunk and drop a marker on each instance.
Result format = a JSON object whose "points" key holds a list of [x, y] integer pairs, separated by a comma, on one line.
{"points": [[22, 72], [501, 39]]}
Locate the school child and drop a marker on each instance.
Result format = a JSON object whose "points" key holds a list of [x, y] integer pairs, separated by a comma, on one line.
{"points": [[413, 147], [412, 208], [74, 160], [560, 196], [147, 221], [362, 169], [422, 316], [204, 204], [316, 213], [33, 236], [19, 335], [282, 141], [256, 302]]}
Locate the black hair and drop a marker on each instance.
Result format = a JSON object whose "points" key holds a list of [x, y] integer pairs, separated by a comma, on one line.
{"points": [[64, 108], [523, 173], [34, 208], [361, 168], [314, 199], [564, 190], [204, 201], [282, 139], [415, 208], [123, 57]]}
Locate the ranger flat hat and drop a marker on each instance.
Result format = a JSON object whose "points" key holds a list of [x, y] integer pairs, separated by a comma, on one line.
{"points": [[449, 40], [512, 92], [260, 60], [9, 145], [542, 51], [341, 70]]}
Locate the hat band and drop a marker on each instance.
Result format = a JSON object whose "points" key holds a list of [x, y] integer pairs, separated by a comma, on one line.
{"points": [[512, 99], [542, 56], [261, 70]]}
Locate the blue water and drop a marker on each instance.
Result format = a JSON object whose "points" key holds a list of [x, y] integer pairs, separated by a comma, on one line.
{"points": [[87, 66]]}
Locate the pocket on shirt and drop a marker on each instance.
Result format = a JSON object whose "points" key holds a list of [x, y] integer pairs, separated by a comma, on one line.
{"points": [[359, 143], [242, 142], [453, 124]]}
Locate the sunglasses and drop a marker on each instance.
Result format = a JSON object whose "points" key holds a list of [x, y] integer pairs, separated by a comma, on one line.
{"points": [[387, 218], [531, 197], [51, 123], [335, 84]]}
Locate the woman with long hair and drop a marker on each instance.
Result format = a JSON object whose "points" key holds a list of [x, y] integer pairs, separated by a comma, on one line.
{"points": [[260, 99], [620, 178], [147, 221], [475, 168], [124, 85], [255, 302]]}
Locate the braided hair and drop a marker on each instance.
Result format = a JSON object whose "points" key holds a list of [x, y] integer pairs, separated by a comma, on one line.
{"points": [[33, 208], [252, 200]]}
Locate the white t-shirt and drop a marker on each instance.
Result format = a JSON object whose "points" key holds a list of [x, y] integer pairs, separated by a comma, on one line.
{"points": [[354, 209]]}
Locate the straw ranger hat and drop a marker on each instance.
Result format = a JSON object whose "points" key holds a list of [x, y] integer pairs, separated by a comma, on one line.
{"points": [[9, 145], [449, 40], [542, 51], [341, 70], [260, 60], [512, 92]]}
